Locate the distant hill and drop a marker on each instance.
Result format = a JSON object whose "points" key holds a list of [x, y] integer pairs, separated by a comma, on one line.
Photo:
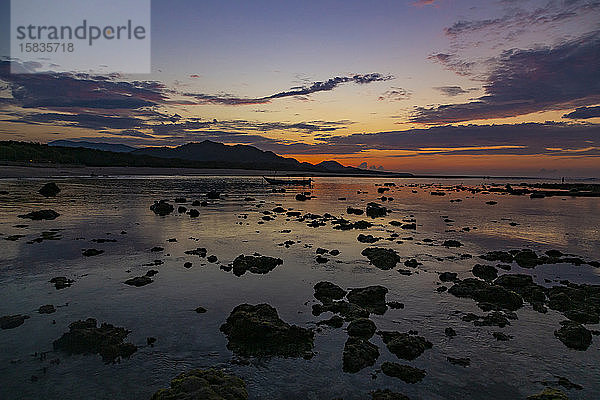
{"points": [[204, 154], [117, 148], [213, 151]]}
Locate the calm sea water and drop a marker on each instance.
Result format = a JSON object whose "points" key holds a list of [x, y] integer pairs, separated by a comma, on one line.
{"points": [[101, 208]]}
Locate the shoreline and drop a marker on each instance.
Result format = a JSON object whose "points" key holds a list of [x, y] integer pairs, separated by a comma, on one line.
{"points": [[76, 171]]}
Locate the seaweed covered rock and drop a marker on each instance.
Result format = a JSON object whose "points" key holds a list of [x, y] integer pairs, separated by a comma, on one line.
{"points": [[486, 272], [209, 384], [549, 394], [486, 294], [49, 190], [574, 335], [85, 337], [161, 208], [387, 394], [327, 291], [371, 298], [12, 321], [405, 372], [41, 215], [375, 210], [579, 303], [362, 328], [257, 330], [358, 354], [405, 345], [349, 311], [255, 264], [381, 258]]}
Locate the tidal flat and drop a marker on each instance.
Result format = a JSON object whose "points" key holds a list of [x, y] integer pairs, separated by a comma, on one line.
{"points": [[354, 288]]}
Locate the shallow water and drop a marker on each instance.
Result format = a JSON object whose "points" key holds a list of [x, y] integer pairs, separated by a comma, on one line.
{"points": [[104, 207]]}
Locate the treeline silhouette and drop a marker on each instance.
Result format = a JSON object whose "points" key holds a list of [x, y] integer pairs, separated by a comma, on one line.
{"points": [[38, 153]]}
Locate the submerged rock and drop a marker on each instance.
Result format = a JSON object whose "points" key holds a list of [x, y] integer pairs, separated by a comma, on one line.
{"points": [[371, 298], [358, 354], [85, 337], [257, 330], [405, 372], [209, 384], [355, 211], [387, 394], [548, 394], [255, 264], [161, 208], [574, 335], [12, 321], [327, 291], [49, 190], [41, 215], [452, 243], [405, 345], [381, 258], [463, 362]]}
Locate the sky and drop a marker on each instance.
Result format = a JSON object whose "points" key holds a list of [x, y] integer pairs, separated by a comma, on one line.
{"points": [[499, 87]]}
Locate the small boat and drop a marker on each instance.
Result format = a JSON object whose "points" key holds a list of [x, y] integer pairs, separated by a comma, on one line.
{"points": [[301, 182]]}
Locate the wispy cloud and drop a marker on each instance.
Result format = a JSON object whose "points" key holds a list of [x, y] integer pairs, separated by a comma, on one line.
{"points": [[314, 87], [453, 90]]}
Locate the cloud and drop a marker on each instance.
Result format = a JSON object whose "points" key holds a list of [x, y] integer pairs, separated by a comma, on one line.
{"points": [[395, 94], [314, 87], [514, 21], [527, 81], [64, 90], [453, 63], [453, 90], [423, 3], [584, 113], [525, 138]]}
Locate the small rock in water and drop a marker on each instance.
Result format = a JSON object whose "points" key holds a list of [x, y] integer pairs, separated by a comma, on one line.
{"points": [[41, 215], [162, 208], [12, 321], [200, 310], [47, 309], [358, 354], [549, 394], [49, 190], [61, 282], [85, 337], [139, 281], [449, 332], [91, 252]]}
